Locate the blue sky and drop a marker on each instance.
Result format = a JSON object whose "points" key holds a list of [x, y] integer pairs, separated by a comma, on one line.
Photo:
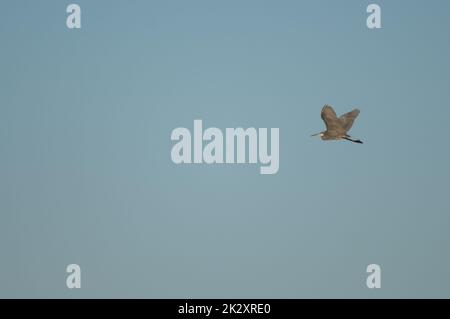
{"points": [[85, 169]]}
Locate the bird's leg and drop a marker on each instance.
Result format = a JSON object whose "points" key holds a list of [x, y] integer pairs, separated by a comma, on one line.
{"points": [[351, 140]]}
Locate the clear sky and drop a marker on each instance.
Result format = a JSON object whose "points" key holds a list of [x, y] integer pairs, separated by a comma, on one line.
{"points": [[86, 175]]}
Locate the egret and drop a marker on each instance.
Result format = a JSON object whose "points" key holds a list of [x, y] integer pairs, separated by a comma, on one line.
{"points": [[337, 127]]}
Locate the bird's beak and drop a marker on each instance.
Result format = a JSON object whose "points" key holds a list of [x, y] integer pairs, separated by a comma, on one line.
{"points": [[316, 134]]}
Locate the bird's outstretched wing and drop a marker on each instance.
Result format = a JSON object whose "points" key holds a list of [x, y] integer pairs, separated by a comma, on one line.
{"points": [[329, 117], [346, 120]]}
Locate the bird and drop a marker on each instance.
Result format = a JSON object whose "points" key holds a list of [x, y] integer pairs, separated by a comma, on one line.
{"points": [[337, 127]]}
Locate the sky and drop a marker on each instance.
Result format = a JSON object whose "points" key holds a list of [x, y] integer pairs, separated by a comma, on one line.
{"points": [[86, 175]]}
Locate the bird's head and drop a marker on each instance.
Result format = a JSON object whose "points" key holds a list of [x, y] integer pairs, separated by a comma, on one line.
{"points": [[318, 134]]}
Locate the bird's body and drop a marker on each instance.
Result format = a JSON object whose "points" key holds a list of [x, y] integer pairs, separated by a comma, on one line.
{"points": [[337, 127]]}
